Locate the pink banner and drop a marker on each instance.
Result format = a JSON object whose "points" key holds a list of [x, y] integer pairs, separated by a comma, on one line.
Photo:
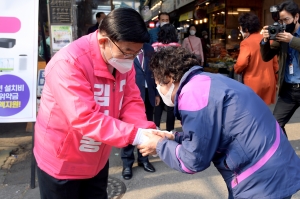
{"points": [[9, 24]]}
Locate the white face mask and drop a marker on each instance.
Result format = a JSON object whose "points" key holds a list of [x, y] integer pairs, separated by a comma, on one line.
{"points": [[122, 65], [244, 34], [192, 32], [167, 98], [163, 23], [205, 36]]}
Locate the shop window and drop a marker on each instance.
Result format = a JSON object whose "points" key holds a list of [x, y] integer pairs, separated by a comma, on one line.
{"points": [[218, 33]]}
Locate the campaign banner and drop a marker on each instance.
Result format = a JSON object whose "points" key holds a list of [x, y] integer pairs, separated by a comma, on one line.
{"points": [[18, 60]]}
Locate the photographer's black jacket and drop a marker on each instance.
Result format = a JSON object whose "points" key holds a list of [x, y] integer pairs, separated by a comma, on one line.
{"points": [[269, 50]]}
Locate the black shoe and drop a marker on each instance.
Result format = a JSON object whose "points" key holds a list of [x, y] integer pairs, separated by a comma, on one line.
{"points": [[127, 173], [147, 166]]}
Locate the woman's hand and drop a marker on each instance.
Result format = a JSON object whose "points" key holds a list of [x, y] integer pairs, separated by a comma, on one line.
{"points": [[149, 147], [164, 134]]}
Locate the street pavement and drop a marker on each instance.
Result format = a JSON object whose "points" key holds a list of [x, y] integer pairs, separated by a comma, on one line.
{"points": [[165, 183]]}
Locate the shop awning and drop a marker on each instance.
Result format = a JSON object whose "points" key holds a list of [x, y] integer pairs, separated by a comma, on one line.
{"points": [[185, 16]]}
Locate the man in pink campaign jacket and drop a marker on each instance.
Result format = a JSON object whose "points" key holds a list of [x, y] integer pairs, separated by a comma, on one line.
{"points": [[90, 103]]}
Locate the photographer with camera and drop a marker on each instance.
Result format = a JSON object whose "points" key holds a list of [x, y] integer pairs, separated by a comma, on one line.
{"points": [[286, 45]]}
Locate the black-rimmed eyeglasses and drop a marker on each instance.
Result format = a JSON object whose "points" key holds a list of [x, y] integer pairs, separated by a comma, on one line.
{"points": [[126, 55]]}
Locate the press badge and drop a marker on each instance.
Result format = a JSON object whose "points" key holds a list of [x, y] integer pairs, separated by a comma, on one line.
{"points": [[291, 70]]}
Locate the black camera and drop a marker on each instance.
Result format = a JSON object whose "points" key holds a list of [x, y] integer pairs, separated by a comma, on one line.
{"points": [[276, 27]]}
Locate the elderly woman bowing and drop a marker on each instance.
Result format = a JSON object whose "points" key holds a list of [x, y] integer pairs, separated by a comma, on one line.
{"points": [[223, 122]]}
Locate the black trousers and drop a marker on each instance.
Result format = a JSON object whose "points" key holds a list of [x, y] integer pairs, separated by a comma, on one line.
{"points": [[170, 122], [287, 103], [127, 154], [149, 108], [92, 188]]}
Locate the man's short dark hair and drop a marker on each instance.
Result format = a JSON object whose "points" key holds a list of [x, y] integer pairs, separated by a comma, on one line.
{"points": [[163, 13], [250, 22], [98, 15], [290, 7], [125, 24]]}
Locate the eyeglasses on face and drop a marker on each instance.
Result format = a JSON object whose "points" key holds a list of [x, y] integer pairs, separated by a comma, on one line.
{"points": [[126, 55], [285, 20]]}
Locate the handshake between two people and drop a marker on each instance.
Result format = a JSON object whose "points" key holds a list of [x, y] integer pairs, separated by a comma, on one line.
{"points": [[147, 139]]}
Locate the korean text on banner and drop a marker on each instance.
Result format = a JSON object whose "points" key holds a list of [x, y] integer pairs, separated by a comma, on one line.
{"points": [[18, 60]]}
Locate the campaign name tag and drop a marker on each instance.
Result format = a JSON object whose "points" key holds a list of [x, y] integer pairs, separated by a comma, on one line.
{"points": [[291, 70]]}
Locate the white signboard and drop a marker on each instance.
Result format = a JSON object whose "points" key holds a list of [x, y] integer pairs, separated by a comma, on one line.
{"points": [[18, 60], [146, 13], [168, 6], [180, 3]]}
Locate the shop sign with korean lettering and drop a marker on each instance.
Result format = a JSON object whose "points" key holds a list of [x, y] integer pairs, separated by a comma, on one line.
{"points": [[60, 11], [18, 60]]}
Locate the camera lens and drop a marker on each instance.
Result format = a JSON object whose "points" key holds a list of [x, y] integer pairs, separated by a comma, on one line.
{"points": [[272, 31]]}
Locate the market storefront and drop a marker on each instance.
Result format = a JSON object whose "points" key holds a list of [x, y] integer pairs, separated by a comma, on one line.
{"points": [[223, 30]]}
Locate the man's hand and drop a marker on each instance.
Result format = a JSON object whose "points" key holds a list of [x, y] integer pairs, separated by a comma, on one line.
{"points": [[157, 100], [265, 33], [164, 134], [284, 37]]}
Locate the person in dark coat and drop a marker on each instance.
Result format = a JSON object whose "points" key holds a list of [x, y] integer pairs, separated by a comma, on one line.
{"points": [[206, 46], [163, 18], [145, 82], [287, 47], [99, 17]]}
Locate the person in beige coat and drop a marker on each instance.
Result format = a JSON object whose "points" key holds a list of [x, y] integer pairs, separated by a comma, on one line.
{"points": [[259, 75]]}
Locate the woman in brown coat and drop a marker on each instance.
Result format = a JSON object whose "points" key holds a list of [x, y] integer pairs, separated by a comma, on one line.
{"points": [[260, 76]]}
